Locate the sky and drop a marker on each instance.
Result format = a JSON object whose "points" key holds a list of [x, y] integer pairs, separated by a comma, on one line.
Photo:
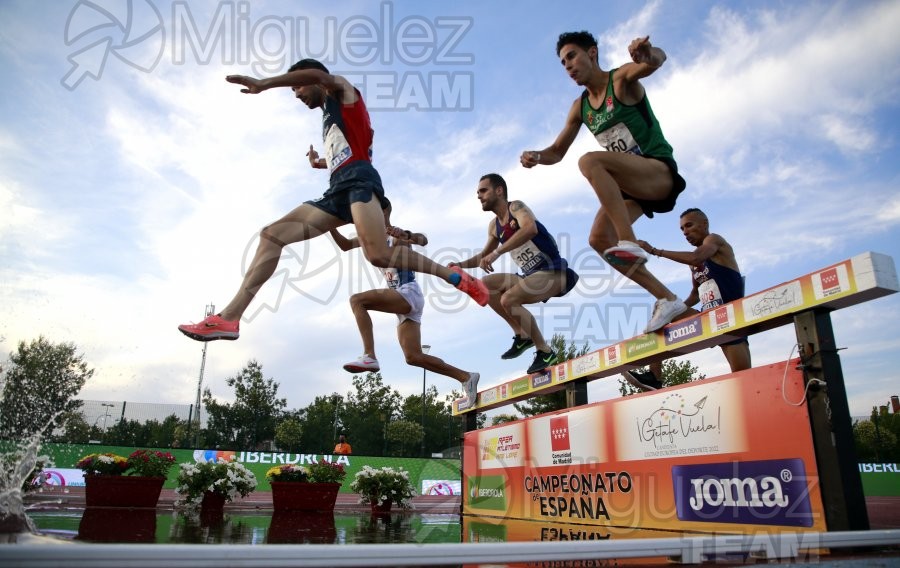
{"points": [[134, 179]]}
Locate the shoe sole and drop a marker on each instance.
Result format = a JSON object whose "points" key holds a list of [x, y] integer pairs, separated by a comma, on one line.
{"points": [[358, 369], [532, 370], [212, 336], [636, 383], [622, 258], [507, 356], [649, 329]]}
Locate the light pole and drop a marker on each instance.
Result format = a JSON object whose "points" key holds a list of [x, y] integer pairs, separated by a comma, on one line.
{"points": [[425, 350], [336, 399], [108, 405], [210, 310]]}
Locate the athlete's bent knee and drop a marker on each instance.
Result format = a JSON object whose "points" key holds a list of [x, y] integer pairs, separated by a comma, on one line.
{"points": [[266, 233], [600, 242], [378, 258], [588, 162], [413, 359]]}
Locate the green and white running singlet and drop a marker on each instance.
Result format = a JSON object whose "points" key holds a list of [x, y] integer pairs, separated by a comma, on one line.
{"points": [[625, 128]]}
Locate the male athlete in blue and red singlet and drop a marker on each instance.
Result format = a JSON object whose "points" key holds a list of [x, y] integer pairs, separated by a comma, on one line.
{"points": [[355, 195], [717, 280], [545, 274]]}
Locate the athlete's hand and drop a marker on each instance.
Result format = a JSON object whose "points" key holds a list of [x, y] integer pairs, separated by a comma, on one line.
{"points": [[642, 51], [645, 245], [487, 261], [530, 158], [253, 86], [313, 157]]}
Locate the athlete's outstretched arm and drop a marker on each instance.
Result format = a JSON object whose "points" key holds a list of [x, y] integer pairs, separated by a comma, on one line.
{"points": [[556, 151]]}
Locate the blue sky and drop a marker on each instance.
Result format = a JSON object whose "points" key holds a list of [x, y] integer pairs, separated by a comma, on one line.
{"points": [[134, 179]]}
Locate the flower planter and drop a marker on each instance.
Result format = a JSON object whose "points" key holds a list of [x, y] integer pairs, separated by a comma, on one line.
{"points": [[122, 491], [295, 496], [382, 507], [212, 502]]}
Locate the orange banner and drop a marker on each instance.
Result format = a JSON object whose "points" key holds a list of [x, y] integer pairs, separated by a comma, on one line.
{"points": [[731, 454]]}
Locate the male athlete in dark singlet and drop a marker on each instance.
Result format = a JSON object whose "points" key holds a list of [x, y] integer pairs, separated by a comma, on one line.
{"points": [[717, 280], [545, 274], [355, 195]]}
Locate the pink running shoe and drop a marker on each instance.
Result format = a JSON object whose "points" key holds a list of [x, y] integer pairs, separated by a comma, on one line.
{"points": [[211, 328], [472, 286]]}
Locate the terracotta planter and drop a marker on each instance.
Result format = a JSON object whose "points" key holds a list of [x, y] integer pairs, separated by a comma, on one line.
{"points": [[122, 491], [212, 502], [294, 496], [382, 507]]}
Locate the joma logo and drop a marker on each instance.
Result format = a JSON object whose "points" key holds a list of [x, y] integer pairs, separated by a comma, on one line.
{"points": [[736, 492]]}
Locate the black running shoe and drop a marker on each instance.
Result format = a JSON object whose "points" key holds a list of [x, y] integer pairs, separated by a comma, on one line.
{"points": [[542, 360], [520, 345], [643, 380]]}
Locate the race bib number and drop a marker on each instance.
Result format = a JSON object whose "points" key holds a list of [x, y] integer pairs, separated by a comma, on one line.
{"points": [[337, 149], [392, 277], [528, 257], [618, 138], [710, 296]]}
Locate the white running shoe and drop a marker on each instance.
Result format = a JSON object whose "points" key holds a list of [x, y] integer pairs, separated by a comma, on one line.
{"points": [[470, 388], [664, 312], [362, 364], [624, 253]]}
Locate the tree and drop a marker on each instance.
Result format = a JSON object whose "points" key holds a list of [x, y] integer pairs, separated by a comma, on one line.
{"points": [[74, 430], [556, 400], [673, 373], [287, 435], [319, 422], [876, 439], [437, 415], [367, 413], [504, 418], [39, 387], [405, 437], [251, 418], [123, 433], [163, 434]]}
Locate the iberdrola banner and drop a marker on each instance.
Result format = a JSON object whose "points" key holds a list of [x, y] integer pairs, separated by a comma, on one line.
{"points": [[726, 454]]}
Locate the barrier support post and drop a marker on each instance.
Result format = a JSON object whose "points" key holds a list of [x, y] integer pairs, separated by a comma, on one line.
{"points": [[471, 419], [576, 393], [832, 428]]}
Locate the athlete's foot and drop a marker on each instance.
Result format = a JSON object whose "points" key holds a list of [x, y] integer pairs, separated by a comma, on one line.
{"points": [[211, 328], [542, 360], [664, 312], [643, 380], [472, 286], [519, 345], [625, 253], [362, 364], [470, 388]]}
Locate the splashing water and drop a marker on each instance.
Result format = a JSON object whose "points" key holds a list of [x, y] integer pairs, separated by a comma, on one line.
{"points": [[16, 466]]}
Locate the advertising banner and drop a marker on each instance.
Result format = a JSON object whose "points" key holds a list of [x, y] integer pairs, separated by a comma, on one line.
{"points": [[726, 454]]}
